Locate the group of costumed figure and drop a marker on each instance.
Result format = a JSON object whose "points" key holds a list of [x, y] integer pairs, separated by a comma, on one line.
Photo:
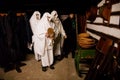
{"points": [[46, 30]]}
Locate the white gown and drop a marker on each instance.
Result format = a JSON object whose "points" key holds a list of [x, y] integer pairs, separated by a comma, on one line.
{"points": [[34, 20], [59, 33], [45, 45]]}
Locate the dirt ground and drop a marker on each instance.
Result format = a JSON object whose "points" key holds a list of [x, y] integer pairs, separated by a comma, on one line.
{"points": [[64, 70]]}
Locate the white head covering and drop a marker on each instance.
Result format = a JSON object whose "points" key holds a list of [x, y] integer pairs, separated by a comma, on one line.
{"points": [[35, 18], [54, 15], [44, 23], [58, 24], [59, 33]]}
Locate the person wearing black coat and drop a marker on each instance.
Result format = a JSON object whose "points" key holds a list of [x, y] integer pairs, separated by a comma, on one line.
{"points": [[69, 26]]}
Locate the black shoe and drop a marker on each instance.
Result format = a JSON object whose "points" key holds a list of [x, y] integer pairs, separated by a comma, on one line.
{"points": [[73, 54], [52, 67], [66, 56], [9, 67], [22, 64], [59, 57], [44, 69], [18, 69]]}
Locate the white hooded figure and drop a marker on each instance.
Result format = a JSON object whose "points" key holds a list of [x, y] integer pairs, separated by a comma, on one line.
{"points": [[60, 34], [35, 18], [45, 43]]}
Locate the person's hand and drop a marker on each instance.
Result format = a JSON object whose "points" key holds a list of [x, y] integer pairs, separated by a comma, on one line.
{"points": [[47, 35], [65, 36]]}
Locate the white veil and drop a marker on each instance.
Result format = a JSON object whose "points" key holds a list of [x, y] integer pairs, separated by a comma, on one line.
{"points": [[34, 20]]}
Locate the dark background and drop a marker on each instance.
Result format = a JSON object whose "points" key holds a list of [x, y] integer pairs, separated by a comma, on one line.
{"points": [[62, 6]]}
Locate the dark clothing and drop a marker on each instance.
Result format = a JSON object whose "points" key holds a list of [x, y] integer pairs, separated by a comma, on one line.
{"points": [[13, 41], [70, 42]]}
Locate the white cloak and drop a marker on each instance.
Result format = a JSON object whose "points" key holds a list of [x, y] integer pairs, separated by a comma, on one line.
{"points": [[34, 20], [59, 33], [45, 45]]}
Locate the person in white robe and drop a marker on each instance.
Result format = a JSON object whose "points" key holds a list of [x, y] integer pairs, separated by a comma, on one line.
{"points": [[60, 35], [45, 44], [35, 18]]}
